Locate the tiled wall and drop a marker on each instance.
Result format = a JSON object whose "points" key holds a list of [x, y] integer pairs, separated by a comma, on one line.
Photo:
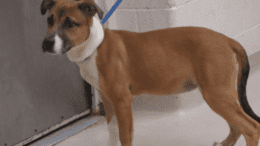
{"points": [[238, 19]]}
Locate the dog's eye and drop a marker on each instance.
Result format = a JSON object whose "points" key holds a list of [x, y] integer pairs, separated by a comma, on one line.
{"points": [[50, 21], [69, 24]]}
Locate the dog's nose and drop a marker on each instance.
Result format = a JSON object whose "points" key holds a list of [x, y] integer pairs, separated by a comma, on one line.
{"points": [[47, 45]]}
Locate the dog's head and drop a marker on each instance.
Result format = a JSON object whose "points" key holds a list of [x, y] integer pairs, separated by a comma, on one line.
{"points": [[69, 23]]}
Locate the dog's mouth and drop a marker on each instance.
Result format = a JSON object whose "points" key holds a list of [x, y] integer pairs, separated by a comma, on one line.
{"points": [[56, 46], [66, 49]]}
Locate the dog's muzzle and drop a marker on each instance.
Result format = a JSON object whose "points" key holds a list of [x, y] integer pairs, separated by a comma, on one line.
{"points": [[47, 45]]}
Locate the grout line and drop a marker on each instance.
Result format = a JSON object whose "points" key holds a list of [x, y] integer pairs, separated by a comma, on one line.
{"points": [[151, 9], [246, 31]]}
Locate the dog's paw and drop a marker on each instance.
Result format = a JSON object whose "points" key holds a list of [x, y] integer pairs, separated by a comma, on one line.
{"points": [[217, 144]]}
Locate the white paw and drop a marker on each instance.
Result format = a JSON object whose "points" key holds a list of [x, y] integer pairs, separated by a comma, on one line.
{"points": [[217, 144]]}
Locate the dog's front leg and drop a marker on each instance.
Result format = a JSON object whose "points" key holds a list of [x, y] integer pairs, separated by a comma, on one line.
{"points": [[111, 121], [114, 83], [121, 100], [122, 105]]}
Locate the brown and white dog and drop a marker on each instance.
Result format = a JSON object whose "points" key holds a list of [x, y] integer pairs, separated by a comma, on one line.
{"points": [[121, 64]]}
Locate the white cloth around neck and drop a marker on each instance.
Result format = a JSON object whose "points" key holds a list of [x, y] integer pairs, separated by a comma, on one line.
{"points": [[87, 48]]}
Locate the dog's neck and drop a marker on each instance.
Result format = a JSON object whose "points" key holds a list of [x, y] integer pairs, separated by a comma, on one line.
{"points": [[87, 48]]}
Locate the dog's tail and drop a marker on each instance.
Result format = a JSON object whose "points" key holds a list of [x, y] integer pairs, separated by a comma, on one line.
{"points": [[242, 78]]}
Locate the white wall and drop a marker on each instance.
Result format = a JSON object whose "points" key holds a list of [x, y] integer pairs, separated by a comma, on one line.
{"points": [[238, 19]]}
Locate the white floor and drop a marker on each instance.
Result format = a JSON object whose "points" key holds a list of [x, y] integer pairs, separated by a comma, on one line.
{"points": [[171, 121], [158, 123]]}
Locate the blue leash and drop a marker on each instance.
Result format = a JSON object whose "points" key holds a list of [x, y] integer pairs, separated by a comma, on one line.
{"points": [[111, 11]]}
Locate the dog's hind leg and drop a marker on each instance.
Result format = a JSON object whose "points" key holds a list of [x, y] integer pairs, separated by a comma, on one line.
{"points": [[232, 137], [218, 90], [226, 107], [111, 122], [217, 80]]}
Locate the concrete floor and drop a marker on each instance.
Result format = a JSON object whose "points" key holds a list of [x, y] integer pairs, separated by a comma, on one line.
{"points": [[185, 120]]}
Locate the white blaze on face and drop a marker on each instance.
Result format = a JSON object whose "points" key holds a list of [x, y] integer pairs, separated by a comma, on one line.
{"points": [[57, 44]]}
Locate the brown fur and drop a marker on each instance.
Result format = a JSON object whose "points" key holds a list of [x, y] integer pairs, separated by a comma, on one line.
{"points": [[168, 61]]}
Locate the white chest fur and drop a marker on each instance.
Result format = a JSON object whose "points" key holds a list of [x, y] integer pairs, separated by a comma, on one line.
{"points": [[85, 54], [88, 70]]}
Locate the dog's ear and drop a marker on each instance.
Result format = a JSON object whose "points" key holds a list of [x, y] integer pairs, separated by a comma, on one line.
{"points": [[46, 5], [91, 9]]}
